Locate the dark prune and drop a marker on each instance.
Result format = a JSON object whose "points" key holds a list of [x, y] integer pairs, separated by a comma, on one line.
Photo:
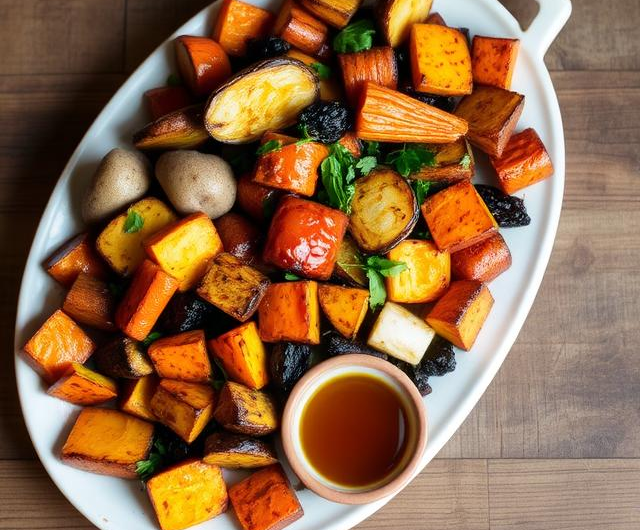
{"points": [[439, 359], [338, 345], [267, 48], [185, 312], [418, 376], [508, 211], [325, 121], [445, 103], [288, 363]]}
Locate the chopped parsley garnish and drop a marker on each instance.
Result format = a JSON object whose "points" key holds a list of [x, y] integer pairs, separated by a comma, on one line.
{"points": [[411, 159], [355, 37], [133, 223]]}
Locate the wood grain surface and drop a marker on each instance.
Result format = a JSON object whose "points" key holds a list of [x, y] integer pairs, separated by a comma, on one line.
{"points": [[554, 444]]}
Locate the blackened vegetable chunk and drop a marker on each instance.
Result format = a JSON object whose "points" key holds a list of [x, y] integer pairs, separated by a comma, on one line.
{"points": [[325, 121], [439, 359], [267, 48], [288, 363], [338, 345], [508, 211], [445, 103], [185, 312]]}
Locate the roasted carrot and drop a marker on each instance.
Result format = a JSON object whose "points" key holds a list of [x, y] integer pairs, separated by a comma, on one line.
{"points": [[300, 29], [494, 60], [73, 257], [203, 63], [82, 386], [166, 99], [483, 261], [238, 23], [91, 302], [377, 65], [257, 201], [182, 357], [239, 236]]}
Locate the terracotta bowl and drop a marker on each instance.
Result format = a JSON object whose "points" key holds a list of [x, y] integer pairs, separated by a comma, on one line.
{"points": [[416, 438]]}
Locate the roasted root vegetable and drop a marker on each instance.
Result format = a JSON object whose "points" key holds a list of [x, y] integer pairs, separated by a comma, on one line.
{"points": [[290, 312], [385, 115], [452, 163], [396, 17], [166, 99], [492, 114], [330, 89], [377, 65], [182, 357], [383, 212], [233, 287], [82, 386], [136, 394], [202, 62], [336, 13], [239, 236], [107, 442], [185, 248], [348, 266], [494, 60], [288, 362], [304, 238], [258, 202], [237, 451], [58, 343], [440, 60], [90, 302], [187, 494], [242, 355], [351, 143], [124, 358], [239, 22], [483, 261], [120, 243], [265, 500], [245, 411], [524, 162], [73, 257], [300, 29], [185, 312], [266, 96], [435, 18], [400, 334], [344, 307], [144, 301], [461, 312], [426, 277], [184, 407], [458, 217], [182, 129]]}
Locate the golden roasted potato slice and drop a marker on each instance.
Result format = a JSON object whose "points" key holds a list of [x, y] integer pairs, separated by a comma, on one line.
{"points": [[182, 129], [395, 18]]}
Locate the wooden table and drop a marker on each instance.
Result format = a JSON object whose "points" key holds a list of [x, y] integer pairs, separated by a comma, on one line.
{"points": [[555, 441]]}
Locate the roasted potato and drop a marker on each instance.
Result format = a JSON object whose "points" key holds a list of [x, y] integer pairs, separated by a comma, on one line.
{"points": [[237, 451], [182, 129], [123, 357], [396, 17], [245, 411]]}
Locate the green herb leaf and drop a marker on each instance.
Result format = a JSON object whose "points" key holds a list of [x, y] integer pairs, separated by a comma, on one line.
{"points": [[151, 338], [421, 188], [323, 71], [133, 223], [377, 268], [355, 37], [410, 159], [465, 161], [372, 149], [174, 80], [303, 141], [366, 164], [157, 459], [385, 266], [268, 147], [290, 277], [377, 290]]}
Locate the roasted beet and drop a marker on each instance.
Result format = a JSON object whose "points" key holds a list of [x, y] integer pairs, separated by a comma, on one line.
{"points": [[337, 345], [439, 359], [267, 48], [508, 211], [325, 121], [288, 363], [418, 376], [185, 312]]}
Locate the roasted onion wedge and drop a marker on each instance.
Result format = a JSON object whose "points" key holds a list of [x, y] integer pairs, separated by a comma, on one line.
{"points": [[267, 95], [383, 212]]}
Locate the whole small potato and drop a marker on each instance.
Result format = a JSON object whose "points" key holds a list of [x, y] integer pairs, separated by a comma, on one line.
{"points": [[121, 178], [195, 182]]}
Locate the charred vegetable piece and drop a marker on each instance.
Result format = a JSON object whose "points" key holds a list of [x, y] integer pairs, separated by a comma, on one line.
{"points": [[246, 411], [326, 121], [508, 211], [123, 357], [288, 363], [440, 358], [185, 312], [267, 48], [446, 103], [237, 451], [417, 374], [338, 345]]}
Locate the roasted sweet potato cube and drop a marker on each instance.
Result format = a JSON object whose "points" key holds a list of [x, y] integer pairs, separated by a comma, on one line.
{"points": [[265, 500], [237, 451], [492, 114], [290, 311], [144, 301], [108, 442], [460, 314], [58, 343], [243, 410], [483, 261], [344, 307], [427, 275], [452, 163], [82, 386], [184, 407], [233, 287], [136, 394], [124, 358], [185, 248], [524, 162], [238, 23], [121, 248], [182, 357], [187, 493], [494, 60], [73, 257], [90, 302], [440, 60], [458, 217], [242, 355]]}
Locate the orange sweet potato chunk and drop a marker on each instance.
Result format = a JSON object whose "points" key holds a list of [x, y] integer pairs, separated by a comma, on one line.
{"points": [[144, 301], [187, 494], [73, 257], [483, 261], [524, 162], [458, 217], [242, 355], [182, 357], [243, 410], [58, 343], [494, 60], [344, 307], [82, 386], [136, 394], [265, 500], [460, 314], [238, 23], [90, 302], [108, 442]]}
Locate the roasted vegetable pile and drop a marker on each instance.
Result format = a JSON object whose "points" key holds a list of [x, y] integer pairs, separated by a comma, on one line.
{"points": [[303, 190]]}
